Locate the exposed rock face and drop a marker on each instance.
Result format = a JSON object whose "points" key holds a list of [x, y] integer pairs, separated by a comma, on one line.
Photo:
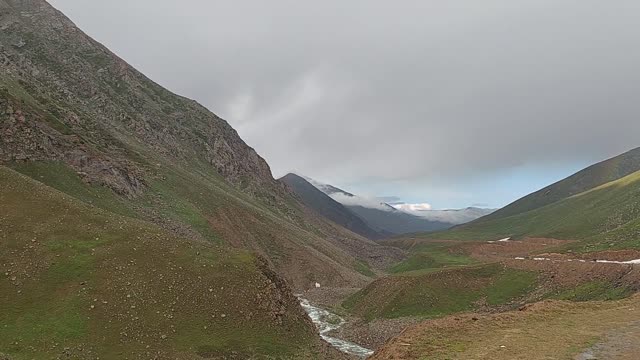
{"points": [[79, 103]]}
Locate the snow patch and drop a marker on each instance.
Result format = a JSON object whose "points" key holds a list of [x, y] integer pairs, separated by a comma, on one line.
{"points": [[631, 262]]}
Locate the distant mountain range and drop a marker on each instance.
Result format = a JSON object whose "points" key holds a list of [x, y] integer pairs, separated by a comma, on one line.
{"points": [[376, 219]]}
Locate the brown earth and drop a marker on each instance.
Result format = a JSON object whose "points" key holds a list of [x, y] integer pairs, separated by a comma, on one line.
{"points": [[545, 330], [562, 270], [513, 248]]}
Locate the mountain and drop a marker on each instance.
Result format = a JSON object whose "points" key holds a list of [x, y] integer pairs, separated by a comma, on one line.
{"points": [[73, 109], [603, 217], [324, 205], [451, 216], [586, 179], [135, 222], [395, 221], [380, 215]]}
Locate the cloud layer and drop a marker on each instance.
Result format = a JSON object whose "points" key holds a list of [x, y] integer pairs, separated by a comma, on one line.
{"points": [[426, 91], [356, 200], [412, 207]]}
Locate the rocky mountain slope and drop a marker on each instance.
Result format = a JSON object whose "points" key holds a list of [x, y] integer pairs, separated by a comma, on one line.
{"points": [[324, 205], [126, 180], [70, 106]]}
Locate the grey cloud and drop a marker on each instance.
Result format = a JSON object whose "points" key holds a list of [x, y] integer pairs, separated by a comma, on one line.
{"points": [[349, 91], [390, 199]]}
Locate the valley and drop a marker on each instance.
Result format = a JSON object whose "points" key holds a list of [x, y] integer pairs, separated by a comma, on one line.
{"points": [[137, 224]]}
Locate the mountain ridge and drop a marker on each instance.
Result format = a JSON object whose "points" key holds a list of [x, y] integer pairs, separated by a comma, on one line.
{"points": [[588, 178], [381, 215], [329, 208], [602, 217]]}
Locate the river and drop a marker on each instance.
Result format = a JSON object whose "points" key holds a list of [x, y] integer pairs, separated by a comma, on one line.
{"points": [[326, 321]]}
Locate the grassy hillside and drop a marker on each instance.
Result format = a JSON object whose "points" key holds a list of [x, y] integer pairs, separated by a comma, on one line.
{"points": [[584, 180], [201, 206], [80, 119], [85, 282], [426, 257], [604, 217], [440, 293]]}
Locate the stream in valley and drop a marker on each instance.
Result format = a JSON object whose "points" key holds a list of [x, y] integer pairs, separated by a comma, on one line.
{"points": [[326, 321]]}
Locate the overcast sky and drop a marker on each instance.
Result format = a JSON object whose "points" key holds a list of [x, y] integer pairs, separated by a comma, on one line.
{"points": [[451, 102]]}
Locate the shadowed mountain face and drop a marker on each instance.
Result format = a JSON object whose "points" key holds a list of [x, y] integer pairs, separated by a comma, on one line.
{"points": [[324, 205]]}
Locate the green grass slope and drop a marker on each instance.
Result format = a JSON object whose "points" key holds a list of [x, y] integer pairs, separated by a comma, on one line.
{"points": [[440, 293], [584, 180], [82, 282], [605, 217], [427, 257]]}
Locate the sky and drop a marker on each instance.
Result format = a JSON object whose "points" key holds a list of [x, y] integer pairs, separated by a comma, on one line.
{"points": [[452, 103]]}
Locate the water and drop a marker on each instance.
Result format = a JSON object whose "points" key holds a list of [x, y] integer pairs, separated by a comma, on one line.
{"points": [[326, 321]]}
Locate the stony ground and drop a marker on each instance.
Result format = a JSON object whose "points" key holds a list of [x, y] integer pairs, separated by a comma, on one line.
{"points": [[619, 344]]}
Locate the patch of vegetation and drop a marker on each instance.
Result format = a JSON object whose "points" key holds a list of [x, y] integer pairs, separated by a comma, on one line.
{"points": [[511, 284], [60, 321], [440, 293], [364, 269], [187, 200], [595, 290], [431, 257], [63, 178]]}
